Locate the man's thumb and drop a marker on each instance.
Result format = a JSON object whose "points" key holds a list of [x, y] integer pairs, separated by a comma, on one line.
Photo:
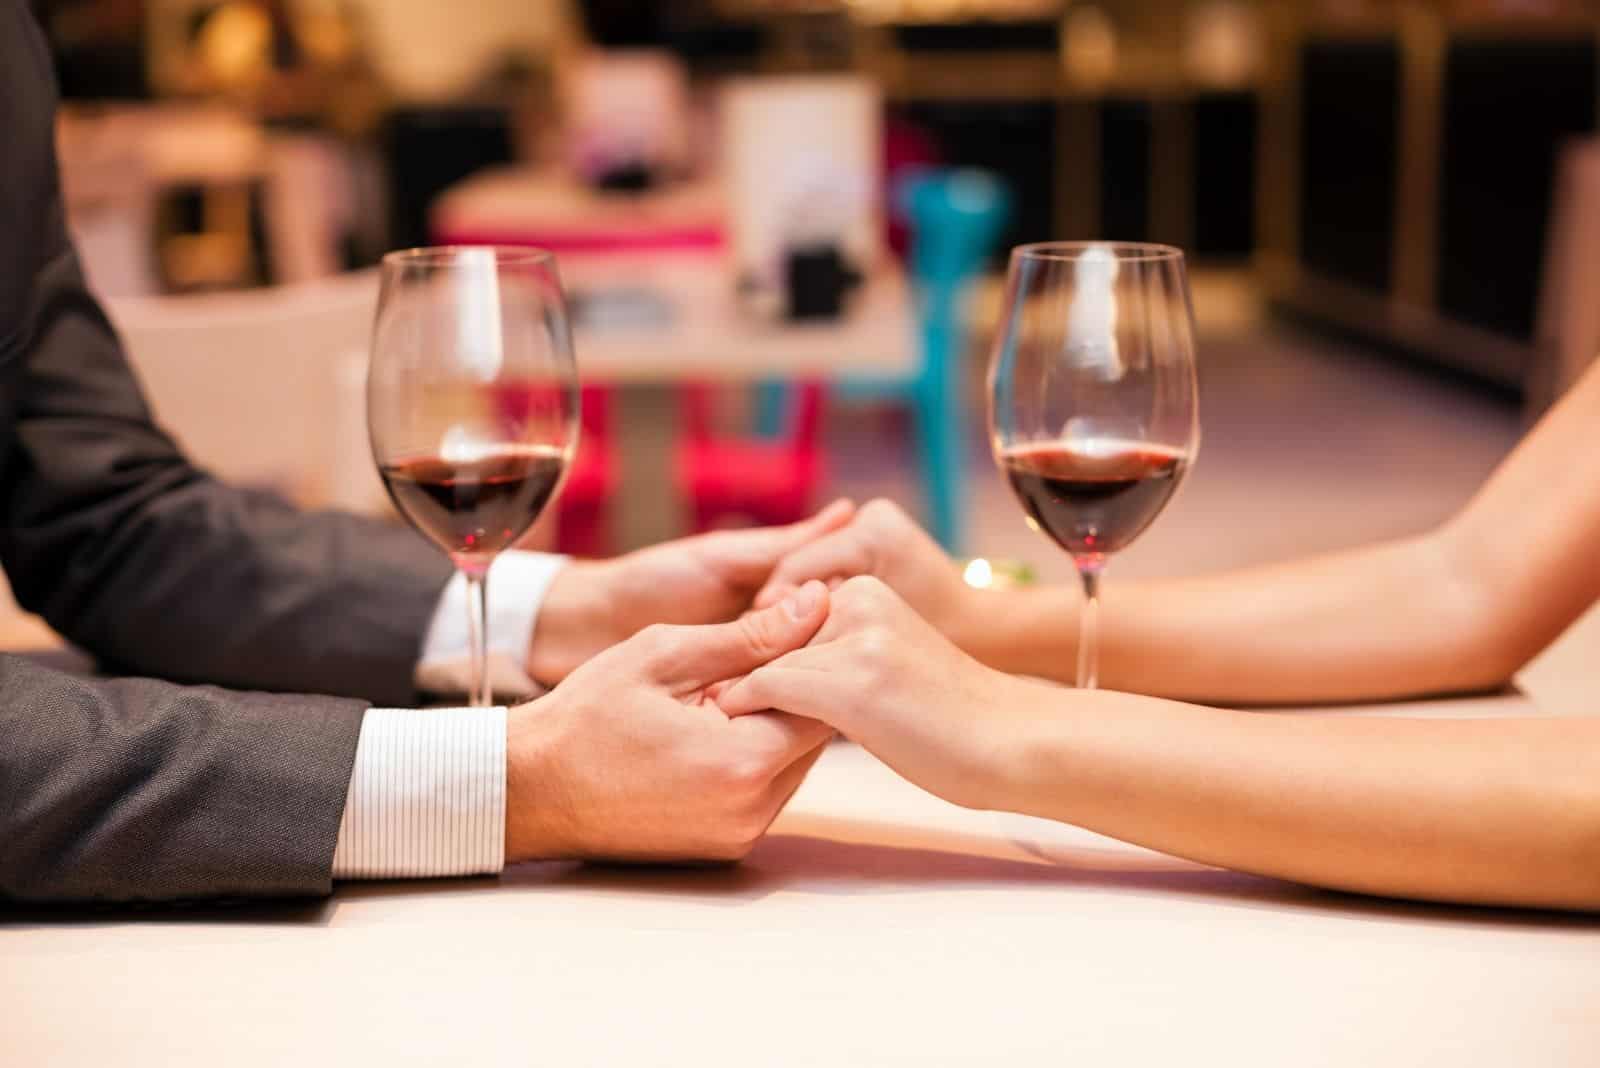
{"points": [[700, 656]]}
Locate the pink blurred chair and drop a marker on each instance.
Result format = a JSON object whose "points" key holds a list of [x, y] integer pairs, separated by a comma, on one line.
{"points": [[731, 479]]}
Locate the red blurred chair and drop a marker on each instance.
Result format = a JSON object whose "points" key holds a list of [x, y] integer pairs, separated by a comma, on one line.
{"points": [[580, 526], [765, 480], [582, 522]]}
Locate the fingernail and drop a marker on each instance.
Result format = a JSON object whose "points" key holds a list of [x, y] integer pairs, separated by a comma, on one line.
{"points": [[802, 602]]}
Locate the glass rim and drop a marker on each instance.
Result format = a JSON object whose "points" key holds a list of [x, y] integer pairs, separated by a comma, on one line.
{"points": [[1124, 251], [445, 255]]}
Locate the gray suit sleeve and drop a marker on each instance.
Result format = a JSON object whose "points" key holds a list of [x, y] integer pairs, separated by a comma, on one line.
{"points": [[157, 568], [125, 547], [135, 790]]}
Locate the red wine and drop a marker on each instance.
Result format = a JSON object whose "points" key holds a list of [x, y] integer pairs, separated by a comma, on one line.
{"points": [[1093, 498], [478, 506]]}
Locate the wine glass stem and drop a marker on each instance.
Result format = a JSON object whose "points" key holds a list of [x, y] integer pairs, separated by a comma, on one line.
{"points": [[1089, 568], [478, 636]]}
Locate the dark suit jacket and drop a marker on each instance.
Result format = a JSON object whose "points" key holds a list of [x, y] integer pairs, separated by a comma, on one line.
{"points": [[136, 789]]}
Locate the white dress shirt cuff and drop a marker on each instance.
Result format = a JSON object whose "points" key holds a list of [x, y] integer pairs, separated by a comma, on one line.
{"points": [[427, 795], [516, 587]]}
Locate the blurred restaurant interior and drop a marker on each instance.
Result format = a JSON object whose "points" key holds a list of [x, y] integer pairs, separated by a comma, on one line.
{"points": [[783, 225]]}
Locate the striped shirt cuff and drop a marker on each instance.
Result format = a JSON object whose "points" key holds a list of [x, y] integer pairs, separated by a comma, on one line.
{"points": [[427, 795]]}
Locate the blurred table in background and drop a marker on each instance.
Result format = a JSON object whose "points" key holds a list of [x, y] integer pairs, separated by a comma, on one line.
{"points": [[655, 305], [545, 207], [705, 337], [877, 925], [668, 245]]}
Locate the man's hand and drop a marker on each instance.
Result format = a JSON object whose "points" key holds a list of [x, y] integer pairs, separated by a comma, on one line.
{"points": [[711, 578], [631, 759]]}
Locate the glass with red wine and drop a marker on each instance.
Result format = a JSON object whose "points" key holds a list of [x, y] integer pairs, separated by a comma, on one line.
{"points": [[1093, 413], [472, 401]]}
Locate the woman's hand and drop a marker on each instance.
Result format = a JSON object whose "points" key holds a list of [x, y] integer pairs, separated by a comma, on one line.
{"points": [[884, 542], [883, 676]]}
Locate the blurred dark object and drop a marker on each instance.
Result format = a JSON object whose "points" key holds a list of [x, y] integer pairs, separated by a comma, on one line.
{"points": [[1125, 136], [428, 149], [1349, 99], [979, 35], [98, 47], [1426, 156], [1013, 139], [633, 177], [818, 277], [623, 23], [716, 46], [1225, 164], [709, 41], [1509, 106]]}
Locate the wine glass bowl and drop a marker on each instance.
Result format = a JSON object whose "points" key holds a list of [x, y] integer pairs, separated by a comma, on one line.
{"points": [[472, 403], [1093, 408]]}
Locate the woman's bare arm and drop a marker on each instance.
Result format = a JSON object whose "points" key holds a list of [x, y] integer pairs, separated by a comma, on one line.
{"points": [[1500, 811], [1459, 608], [1491, 811]]}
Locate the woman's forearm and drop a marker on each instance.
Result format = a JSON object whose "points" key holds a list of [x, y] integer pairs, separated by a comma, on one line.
{"points": [[1460, 608], [1502, 812], [1391, 620], [1387, 621]]}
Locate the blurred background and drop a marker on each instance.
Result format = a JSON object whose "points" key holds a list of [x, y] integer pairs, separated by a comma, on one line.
{"points": [[782, 226]]}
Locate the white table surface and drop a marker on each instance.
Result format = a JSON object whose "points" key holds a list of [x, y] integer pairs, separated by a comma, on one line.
{"points": [[875, 926]]}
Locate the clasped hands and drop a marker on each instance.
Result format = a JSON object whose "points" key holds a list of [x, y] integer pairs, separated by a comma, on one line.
{"points": [[683, 719]]}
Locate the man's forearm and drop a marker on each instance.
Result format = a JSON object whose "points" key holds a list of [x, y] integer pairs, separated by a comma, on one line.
{"points": [[1489, 811]]}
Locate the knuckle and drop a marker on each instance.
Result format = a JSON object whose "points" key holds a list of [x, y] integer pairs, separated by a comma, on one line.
{"points": [[862, 588], [876, 651], [864, 596], [659, 643], [746, 773], [877, 643], [654, 636], [880, 511], [761, 632]]}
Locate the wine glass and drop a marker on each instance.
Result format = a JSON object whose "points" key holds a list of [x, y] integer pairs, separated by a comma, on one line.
{"points": [[472, 404], [1093, 414]]}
